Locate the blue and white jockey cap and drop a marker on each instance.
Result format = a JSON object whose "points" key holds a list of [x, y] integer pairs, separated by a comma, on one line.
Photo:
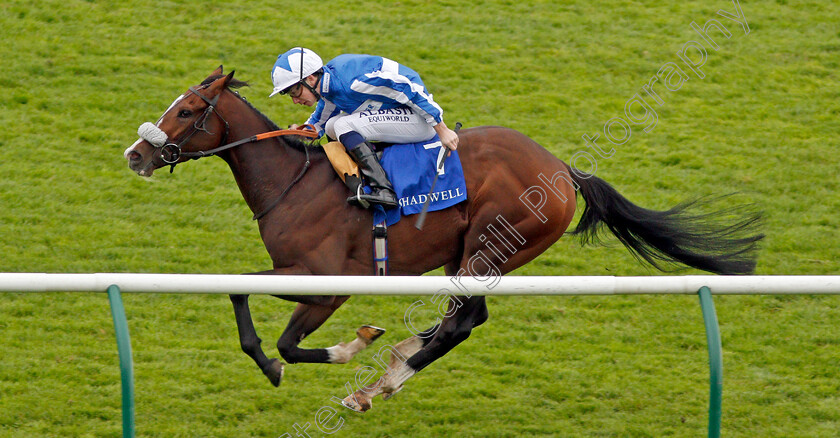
{"points": [[292, 67]]}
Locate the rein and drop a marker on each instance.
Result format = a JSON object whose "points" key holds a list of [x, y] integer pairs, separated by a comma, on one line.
{"points": [[254, 138], [170, 153]]}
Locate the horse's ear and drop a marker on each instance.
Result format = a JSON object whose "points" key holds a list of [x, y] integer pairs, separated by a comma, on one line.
{"points": [[216, 73], [221, 83], [229, 77]]}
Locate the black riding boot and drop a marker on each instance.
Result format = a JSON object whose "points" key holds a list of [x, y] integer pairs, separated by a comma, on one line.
{"points": [[382, 190]]}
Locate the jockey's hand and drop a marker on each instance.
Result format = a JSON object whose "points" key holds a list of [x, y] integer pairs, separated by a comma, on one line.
{"points": [[447, 136]]}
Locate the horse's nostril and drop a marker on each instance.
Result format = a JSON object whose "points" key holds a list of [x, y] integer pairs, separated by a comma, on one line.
{"points": [[134, 156]]}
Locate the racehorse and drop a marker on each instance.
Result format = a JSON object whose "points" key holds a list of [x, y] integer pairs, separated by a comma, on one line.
{"points": [[521, 199]]}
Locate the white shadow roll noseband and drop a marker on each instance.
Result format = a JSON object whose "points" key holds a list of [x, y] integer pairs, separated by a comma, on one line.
{"points": [[151, 133], [170, 153]]}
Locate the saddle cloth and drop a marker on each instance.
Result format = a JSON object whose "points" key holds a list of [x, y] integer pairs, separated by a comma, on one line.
{"points": [[411, 168]]}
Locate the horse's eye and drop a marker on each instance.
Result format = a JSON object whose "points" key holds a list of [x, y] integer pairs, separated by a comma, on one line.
{"points": [[184, 113]]}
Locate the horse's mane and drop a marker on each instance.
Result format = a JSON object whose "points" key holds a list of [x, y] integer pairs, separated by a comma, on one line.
{"points": [[293, 141]]}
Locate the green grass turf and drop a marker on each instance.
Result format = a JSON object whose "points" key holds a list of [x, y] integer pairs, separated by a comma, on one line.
{"points": [[78, 77]]}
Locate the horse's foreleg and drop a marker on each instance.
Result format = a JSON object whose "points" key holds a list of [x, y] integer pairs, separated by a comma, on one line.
{"points": [[305, 320], [365, 335], [315, 300], [250, 342]]}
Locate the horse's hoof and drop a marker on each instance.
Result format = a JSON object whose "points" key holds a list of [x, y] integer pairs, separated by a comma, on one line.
{"points": [[351, 403], [369, 333], [387, 395], [274, 372]]}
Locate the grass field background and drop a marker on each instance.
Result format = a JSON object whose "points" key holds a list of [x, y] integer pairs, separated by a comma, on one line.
{"points": [[78, 77]]}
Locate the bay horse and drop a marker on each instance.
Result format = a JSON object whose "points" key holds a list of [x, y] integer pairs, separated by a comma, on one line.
{"points": [[308, 228]]}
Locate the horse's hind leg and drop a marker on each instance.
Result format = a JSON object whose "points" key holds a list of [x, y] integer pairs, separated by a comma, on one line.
{"points": [[306, 319], [465, 314], [250, 342], [414, 344], [361, 400], [400, 354], [533, 237]]}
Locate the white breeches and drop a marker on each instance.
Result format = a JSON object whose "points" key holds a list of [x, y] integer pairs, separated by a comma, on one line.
{"points": [[398, 125]]}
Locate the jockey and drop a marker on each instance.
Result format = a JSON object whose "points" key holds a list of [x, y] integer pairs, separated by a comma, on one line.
{"points": [[359, 99]]}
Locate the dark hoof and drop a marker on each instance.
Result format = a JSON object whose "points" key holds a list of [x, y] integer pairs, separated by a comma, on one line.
{"points": [[370, 333], [351, 403], [274, 372]]}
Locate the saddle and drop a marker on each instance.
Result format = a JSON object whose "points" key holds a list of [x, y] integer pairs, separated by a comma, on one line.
{"points": [[412, 170]]}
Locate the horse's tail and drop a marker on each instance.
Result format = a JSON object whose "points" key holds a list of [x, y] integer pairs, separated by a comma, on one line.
{"points": [[672, 236]]}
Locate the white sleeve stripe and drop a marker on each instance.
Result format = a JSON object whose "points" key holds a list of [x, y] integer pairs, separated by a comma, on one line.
{"points": [[390, 66], [326, 113], [364, 88]]}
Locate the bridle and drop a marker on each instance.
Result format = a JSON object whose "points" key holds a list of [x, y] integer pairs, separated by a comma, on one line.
{"points": [[170, 152]]}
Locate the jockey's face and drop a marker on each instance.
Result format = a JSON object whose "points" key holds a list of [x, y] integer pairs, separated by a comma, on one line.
{"points": [[302, 95]]}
